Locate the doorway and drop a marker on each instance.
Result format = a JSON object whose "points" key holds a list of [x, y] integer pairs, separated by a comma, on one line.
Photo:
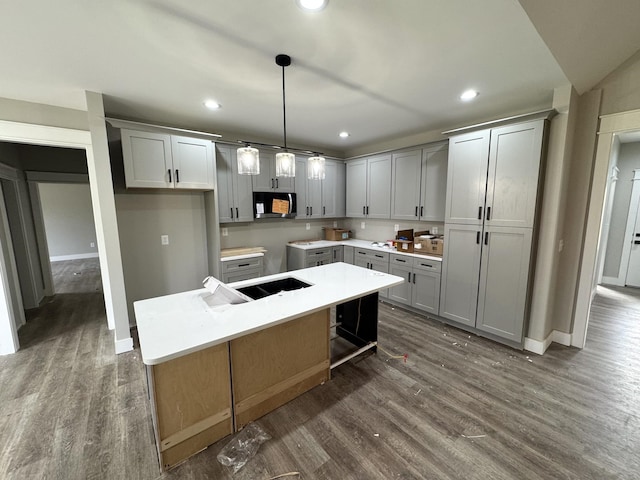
{"points": [[615, 131]]}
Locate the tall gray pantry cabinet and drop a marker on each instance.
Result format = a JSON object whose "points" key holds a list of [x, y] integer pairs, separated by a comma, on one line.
{"points": [[492, 193]]}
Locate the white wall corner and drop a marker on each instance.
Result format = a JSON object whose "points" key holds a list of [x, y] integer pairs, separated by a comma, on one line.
{"points": [[537, 346], [124, 345], [562, 98]]}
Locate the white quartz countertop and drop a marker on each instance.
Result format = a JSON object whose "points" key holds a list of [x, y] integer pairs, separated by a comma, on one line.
{"points": [[175, 325], [353, 242]]}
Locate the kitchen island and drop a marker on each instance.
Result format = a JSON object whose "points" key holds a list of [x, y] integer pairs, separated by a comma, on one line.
{"points": [[214, 368]]}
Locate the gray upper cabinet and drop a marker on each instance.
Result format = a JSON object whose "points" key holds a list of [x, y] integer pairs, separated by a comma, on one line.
{"points": [[369, 187], [406, 170], [504, 274], [512, 182], [419, 184], [460, 267], [466, 178], [334, 190], [320, 198], [267, 180], [156, 160], [234, 191], [433, 187]]}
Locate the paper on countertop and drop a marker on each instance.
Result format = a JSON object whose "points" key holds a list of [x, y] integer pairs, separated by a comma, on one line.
{"points": [[222, 294]]}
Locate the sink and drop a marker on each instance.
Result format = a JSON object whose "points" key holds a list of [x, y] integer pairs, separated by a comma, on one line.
{"points": [[262, 290]]}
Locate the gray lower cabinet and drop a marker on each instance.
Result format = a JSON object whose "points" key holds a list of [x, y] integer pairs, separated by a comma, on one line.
{"points": [[348, 254], [504, 276], [373, 260], [485, 276], [422, 287], [298, 258], [338, 253], [242, 269]]}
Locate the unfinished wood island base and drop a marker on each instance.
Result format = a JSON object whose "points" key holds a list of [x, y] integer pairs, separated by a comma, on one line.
{"points": [[212, 370]]}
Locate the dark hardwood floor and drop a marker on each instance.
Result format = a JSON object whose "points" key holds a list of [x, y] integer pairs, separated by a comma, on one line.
{"points": [[461, 407]]}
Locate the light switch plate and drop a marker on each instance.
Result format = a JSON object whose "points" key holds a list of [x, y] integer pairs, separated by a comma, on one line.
{"points": [[396, 227], [225, 232], [335, 224], [308, 226], [164, 239], [362, 225]]}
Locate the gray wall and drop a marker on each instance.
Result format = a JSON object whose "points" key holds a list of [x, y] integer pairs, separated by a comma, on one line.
{"points": [[628, 160], [382, 230], [152, 269], [68, 219]]}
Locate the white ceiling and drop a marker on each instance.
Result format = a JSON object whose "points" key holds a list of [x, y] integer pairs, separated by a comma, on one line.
{"points": [[376, 68]]}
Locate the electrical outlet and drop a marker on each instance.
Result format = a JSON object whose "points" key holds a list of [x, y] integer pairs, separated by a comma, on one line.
{"points": [[308, 226], [225, 232], [335, 224], [93, 244], [362, 225], [434, 230], [560, 245], [396, 227], [164, 239]]}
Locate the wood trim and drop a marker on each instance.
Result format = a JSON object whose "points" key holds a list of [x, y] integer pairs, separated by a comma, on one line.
{"points": [[280, 387], [44, 135], [179, 437], [619, 122], [526, 117]]}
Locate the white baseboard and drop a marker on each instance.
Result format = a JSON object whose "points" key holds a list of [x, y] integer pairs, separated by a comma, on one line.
{"points": [[613, 281], [540, 346], [124, 345], [78, 256]]}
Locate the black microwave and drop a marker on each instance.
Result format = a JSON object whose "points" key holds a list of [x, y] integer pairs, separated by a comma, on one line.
{"points": [[274, 205]]}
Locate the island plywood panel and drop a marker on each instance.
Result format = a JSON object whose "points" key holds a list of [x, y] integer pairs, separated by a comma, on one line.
{"points": [[192, 397], [273, 366]]}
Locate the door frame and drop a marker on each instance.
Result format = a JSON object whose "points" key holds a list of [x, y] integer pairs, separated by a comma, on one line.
{"points": [[610, 126], [34, 134], [634, 205]]}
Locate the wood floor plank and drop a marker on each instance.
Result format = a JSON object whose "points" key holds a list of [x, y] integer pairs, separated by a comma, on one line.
{"points": [[461, 407]]}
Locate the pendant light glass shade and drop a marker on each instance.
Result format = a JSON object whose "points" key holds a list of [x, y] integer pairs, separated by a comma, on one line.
{"points": [[315, 168], [248, 161], [285, 164]]}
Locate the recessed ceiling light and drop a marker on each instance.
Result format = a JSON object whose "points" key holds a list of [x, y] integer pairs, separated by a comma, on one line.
{"points": [[312, 5], [468, 95], [343, 134], [212, 105]]}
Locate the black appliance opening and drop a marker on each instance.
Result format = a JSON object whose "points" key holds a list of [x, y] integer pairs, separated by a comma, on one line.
{"points": [[271, 288]]}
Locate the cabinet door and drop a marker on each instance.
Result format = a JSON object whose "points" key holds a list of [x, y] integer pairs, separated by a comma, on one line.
{"points": [[426, 291], [460, 273], [242, 193], [338, 254], [192, 163], [381, 267], [301, 187], [224, 169], [467, 178], [147, 159], [405, 185], [433, 189], [514, 165], [348, 255], [333, 190], [265, 182], [361, 259], [504, 276], [379, 187], [314, 198], [356, 188], [284, 184], [401, 293]]}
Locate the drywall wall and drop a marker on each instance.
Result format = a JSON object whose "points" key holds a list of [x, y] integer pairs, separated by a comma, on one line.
{"points": [[383, 230], [628, 160], [68, 220], [273, 235], [39, 114], [150, 268], [620, 92]]}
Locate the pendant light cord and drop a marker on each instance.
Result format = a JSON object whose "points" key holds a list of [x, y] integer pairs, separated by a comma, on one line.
{"points": [[284, 111]]}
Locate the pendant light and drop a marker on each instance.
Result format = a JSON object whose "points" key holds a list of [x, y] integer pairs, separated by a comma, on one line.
{"points": [[248, 160], [315, 168], [285, 161]]}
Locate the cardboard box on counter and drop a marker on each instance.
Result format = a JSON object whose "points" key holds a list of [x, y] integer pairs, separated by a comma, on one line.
{"points": [[428, 246], [404, 241], [336, 234]]}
